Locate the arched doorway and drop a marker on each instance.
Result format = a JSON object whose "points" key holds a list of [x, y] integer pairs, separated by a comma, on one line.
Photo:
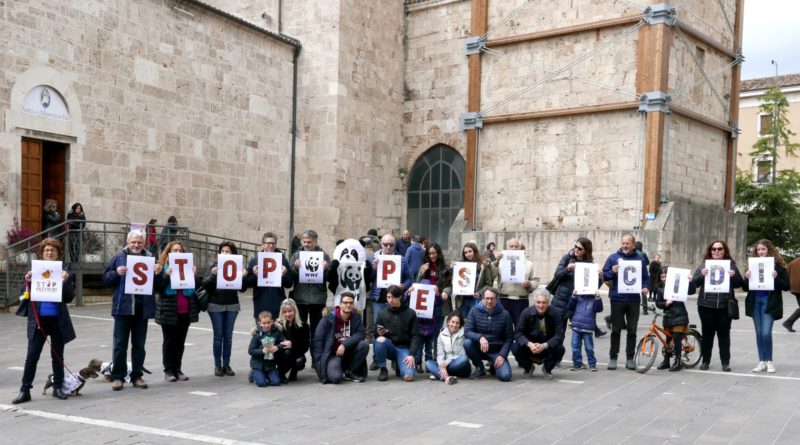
{"points": [[436, 193]]}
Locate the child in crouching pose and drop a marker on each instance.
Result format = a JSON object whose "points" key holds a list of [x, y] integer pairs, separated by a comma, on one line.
{"points": [[267, 341]]}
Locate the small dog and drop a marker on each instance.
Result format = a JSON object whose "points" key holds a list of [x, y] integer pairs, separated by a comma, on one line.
{"points": [[73, 384]]}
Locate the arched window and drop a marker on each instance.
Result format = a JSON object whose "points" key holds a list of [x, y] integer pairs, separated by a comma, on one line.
{"points": [[436, 193]]}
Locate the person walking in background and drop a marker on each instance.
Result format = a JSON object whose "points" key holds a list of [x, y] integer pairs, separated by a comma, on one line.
{"points": [[50, 218], [168, 233], [152, 237], [794, 280]]}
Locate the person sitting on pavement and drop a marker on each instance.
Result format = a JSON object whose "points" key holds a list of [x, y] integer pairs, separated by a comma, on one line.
{"points": [[265, 346], [293, 360], [489, 333], [339, 349], [398, 336], [451, 360], [539, 338]]}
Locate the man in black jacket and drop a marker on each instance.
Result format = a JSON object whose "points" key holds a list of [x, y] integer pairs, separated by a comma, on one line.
{"points": [[339, 349], [539, 337], [398, 336]]}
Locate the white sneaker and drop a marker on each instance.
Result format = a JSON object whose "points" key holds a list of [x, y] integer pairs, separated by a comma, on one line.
{"points": [[770, 368], [760, 367]]}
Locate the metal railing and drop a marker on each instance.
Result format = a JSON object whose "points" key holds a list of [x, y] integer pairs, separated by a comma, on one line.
{"points": [[87, 251]]}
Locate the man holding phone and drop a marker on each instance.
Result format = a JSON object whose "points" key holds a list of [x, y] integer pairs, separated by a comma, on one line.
{"points": [[397, 336]]}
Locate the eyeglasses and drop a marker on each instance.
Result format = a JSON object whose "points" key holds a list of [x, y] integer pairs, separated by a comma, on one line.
{"points": [[269, 242], [578, 248], [50, 250], [717, 249], [489, 298], [387, 244], [346, 302]]}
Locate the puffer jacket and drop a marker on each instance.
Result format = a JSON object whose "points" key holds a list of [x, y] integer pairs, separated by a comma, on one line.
{"points": [[166, 301], [566, 282], [584, 308], [256, 348], [322, 344], [449, 346], [775, 301], [675, 314], [715, 300], [122, 303], [496, 326]]}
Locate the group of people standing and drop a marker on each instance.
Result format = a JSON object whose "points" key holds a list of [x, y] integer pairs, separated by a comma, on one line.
{"points": [[465, 334]]}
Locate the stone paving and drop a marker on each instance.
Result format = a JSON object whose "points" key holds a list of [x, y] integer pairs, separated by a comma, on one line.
{"points": [[703, 407]]}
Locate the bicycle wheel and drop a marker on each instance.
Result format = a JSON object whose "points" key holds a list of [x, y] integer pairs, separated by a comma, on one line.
{"points": [[690, 349], [646, 352]]}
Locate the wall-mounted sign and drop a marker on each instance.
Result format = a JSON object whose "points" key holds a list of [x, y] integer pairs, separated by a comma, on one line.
{"points": [[47, 102]]}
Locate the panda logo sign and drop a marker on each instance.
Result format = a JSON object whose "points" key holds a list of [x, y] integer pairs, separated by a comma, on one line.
{"points": [[351, 255], [310, 267]]}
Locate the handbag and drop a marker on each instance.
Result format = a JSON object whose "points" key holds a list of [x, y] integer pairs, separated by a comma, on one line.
{"points": [[552, 286], [733, 308], [202, 298]]}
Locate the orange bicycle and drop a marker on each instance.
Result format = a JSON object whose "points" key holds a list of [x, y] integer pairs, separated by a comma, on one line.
{"points": [[648, 349]]}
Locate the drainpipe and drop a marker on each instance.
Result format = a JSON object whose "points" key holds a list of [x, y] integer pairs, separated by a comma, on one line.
{"points": [[292, 172], [280, 16]]}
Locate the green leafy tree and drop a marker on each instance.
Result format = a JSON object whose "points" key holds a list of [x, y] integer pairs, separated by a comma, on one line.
{"points": [[772, 208]]}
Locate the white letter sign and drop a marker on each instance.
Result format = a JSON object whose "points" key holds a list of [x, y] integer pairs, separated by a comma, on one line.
{"points": [[464, 278], [46, 281], [629, 277], [761, 273], [139, 277], [423, 298], [269, 265], [181, 273], [586, 277], [512, 266], [229, 271], [677, 285], [718, 279], [388, 271], [311, 267]]}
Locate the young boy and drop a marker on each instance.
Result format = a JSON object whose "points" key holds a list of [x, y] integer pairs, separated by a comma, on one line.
{"points": [[584, 308], [267, 341]]}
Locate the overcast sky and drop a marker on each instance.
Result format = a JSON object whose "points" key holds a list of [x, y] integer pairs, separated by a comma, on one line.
{"points": [[771, 31]]}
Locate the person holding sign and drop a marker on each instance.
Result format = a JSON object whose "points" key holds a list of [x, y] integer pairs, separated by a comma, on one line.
{"points": [[765, 306], [176, 309], [676, 317], [46, 318], [489, 333], [268, 298], [310, 297], [223, 308], [514, 296], [130, 311], [436, 273], [339, 349], [564, 276], [713, 306], [398, 336], [625, 305], [485, 279]]}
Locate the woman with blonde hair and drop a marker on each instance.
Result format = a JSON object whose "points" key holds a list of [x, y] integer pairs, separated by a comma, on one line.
{"points": [[293, 357], [176, 309]]}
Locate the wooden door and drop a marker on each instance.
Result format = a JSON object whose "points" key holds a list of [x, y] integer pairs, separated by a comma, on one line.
{"points": [[31, 205]]}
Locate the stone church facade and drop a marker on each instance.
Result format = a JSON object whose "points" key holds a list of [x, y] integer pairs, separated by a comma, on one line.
{"points": [[241, 116]]}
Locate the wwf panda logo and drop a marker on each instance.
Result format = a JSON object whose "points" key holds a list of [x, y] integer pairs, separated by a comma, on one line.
{"points": [[350, 277], [312, 264]]}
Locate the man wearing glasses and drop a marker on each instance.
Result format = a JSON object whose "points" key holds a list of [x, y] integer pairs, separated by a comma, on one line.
{"points": [[339, 349], [268, 298], [624, 307], [489, 334]]}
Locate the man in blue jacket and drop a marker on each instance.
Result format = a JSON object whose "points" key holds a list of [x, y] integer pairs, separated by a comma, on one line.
{"points": [[415, 256], [130, 313], [489, 333], [624, 307]]}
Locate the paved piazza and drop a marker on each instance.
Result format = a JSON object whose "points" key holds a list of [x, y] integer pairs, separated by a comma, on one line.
{"points": [[577, 407]]}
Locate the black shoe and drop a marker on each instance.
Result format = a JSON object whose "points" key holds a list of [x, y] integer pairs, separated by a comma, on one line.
{"points": [[788, 325], [284, 380], [383, 375], [607, 318], [24, 396], [228, 371], [677, 366], [373, 366], [351, 377], [599, 332], [57, 392], [293, 375], [726, 367], [218, 371], [704, 367], [644, 310], [419, 368], [664, 364]]}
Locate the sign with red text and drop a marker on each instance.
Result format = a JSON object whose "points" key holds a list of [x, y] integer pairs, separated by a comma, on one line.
{"points": [[629, 277], [181, 272], [586, 278], [677, 285], [464, 277], [512, 266], [717, 280], [270, 268], [761, 273], [388, 271], [312, 267], [139, 277], [422, 300], [229, 271], [46, 281]]}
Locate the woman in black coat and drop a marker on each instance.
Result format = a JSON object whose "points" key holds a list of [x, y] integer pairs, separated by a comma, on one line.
{"points": [[76, 222], [581, 252], [46, 319], [293, 358], [766, 306], [176, 309]]}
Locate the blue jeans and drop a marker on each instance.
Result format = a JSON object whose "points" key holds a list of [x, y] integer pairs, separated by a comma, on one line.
{"points": [[763, 323], [222, 324], [587, 338], [473, 350], [133, 327], [459, 367], [264, 378], [386, 349], [428, 342]]}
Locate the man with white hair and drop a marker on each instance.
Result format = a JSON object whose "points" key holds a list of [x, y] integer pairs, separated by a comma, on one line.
{"points": [[130, 313], [539, 337]]}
